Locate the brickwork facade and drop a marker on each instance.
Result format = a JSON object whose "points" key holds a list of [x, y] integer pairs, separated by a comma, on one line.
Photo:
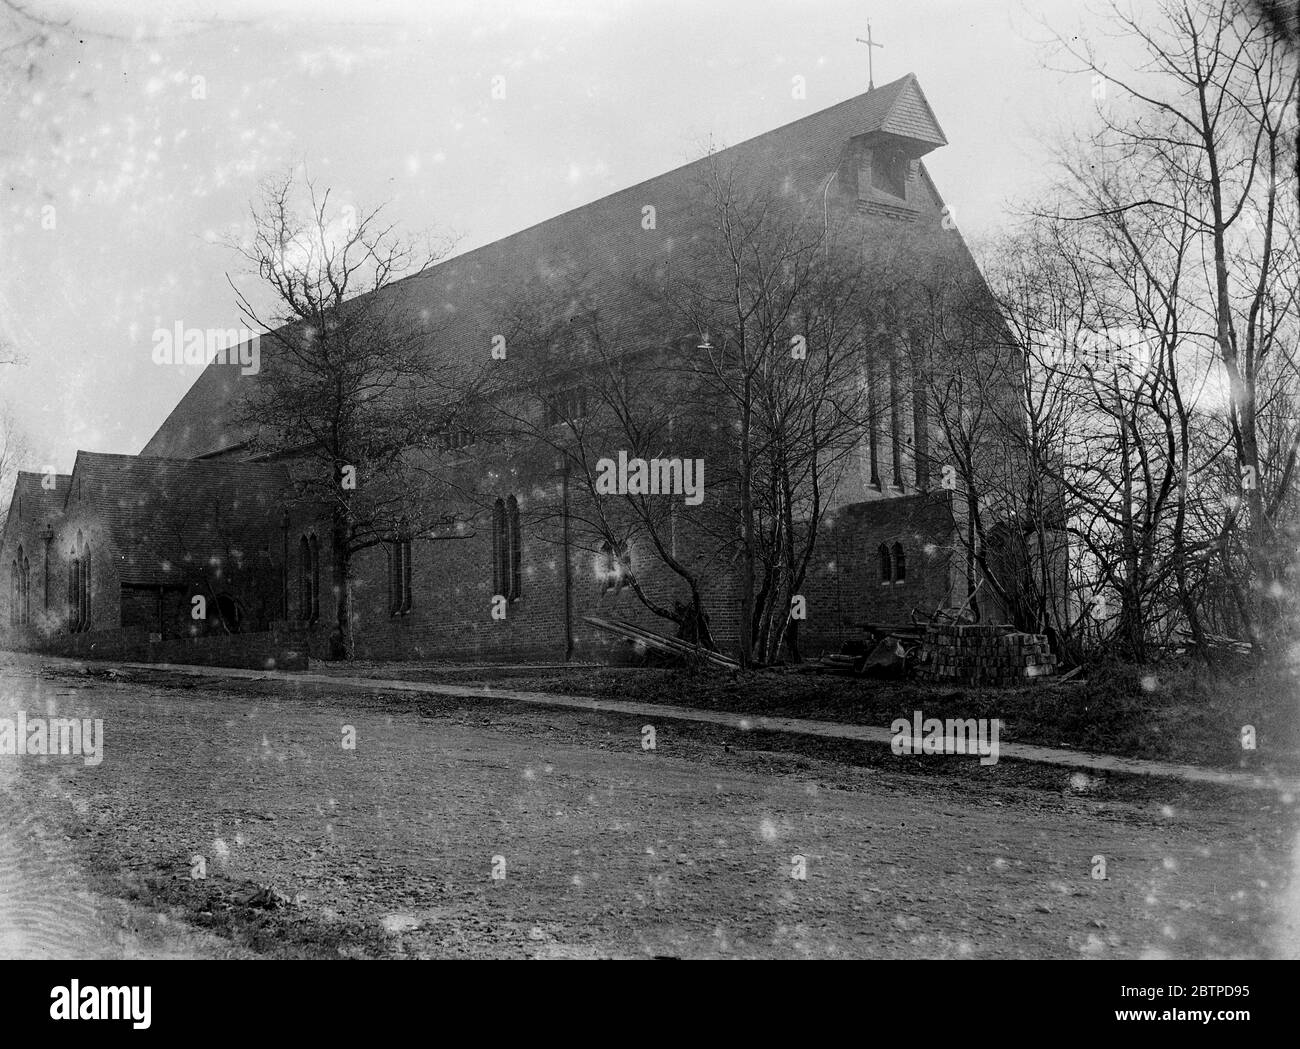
{"points": [[889, 545]]}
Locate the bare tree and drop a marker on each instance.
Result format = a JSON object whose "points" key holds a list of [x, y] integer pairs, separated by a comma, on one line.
{"points": [[1203, 144], [353, 396], [13, 450], [583, 386]]}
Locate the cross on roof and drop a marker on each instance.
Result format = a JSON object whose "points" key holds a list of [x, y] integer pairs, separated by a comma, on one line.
{"points": [[871, 76]]}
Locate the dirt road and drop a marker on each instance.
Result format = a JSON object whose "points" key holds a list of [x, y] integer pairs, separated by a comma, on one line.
{"points": [[464, 830]]}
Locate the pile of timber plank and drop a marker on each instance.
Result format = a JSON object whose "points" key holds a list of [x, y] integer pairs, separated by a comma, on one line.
{"points": [[1217, 643], [661, 642], [978, 654], [845, 663]]}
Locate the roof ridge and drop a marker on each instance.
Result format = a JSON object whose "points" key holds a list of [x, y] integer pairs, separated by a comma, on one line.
{"points": [[150, 459], [872, 93]]}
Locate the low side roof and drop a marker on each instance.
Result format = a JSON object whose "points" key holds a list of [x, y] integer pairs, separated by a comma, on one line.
{"points": [[170, 519], [41, 501]]}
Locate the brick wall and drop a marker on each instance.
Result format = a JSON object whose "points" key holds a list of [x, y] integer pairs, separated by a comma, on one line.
{"points": [[844, 589], [452, 590]]}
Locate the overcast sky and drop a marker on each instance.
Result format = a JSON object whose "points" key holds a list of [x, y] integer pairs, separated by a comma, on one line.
{"points": [[147, 168]]}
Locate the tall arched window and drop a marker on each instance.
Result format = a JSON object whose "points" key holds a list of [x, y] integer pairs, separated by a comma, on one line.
{"points": [[615, 565], [507, 549], [85, 588], [77, 586], [608, 567], [500, 549], [284, 565], [399, 571], [13, 594], [390, 573], [315, 578], [405, 580], [77, 581], [900, 563], [886, 571], [72, 590], [515, 543], [304, 579], [23, 596]]}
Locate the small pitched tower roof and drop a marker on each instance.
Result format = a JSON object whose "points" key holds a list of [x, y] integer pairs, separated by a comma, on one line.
{"points": [[901, 108]]}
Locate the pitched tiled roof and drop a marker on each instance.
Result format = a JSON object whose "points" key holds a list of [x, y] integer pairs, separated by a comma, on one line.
{"points": [[468, 297], [200, 423], [40, 505], [38, 499], [906, 112], [167, 519]]}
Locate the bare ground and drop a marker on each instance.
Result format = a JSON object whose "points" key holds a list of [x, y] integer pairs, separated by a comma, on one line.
{"points": [[607, 849]]}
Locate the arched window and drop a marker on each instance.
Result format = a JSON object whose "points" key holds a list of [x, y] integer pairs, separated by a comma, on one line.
{"points": [[304, 579], [886, 571], [390, 573], [515, 544], [900, 563], [399, 572], [284, 565], [507, 549], [23, 596], [407, 596], [608, 568], [72, 590], [315, 578], [615, 565], [13, 594], [78, 587], [500, 549], [85, 588]]}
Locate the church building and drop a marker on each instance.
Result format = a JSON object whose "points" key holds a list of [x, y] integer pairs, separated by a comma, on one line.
{"points": [[126, 544]]}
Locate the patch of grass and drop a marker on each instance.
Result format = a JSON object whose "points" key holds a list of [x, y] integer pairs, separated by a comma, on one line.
{"points": [[1172, 712]]}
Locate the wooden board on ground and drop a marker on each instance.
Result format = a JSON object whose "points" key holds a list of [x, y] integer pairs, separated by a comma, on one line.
{"points": [[661, 642]]}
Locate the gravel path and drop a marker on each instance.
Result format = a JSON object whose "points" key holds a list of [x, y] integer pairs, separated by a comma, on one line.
{"points": [[603, 848]]}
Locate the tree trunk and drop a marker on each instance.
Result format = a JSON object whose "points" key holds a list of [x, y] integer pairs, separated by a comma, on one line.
{"points": [[747, 525], [342, 642]]}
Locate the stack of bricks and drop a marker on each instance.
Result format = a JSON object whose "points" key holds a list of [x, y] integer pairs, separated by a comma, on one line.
{"points": [[974, 654]]}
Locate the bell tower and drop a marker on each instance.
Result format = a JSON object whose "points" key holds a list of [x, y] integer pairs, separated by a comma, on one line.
{"points": [[882, 163]]}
